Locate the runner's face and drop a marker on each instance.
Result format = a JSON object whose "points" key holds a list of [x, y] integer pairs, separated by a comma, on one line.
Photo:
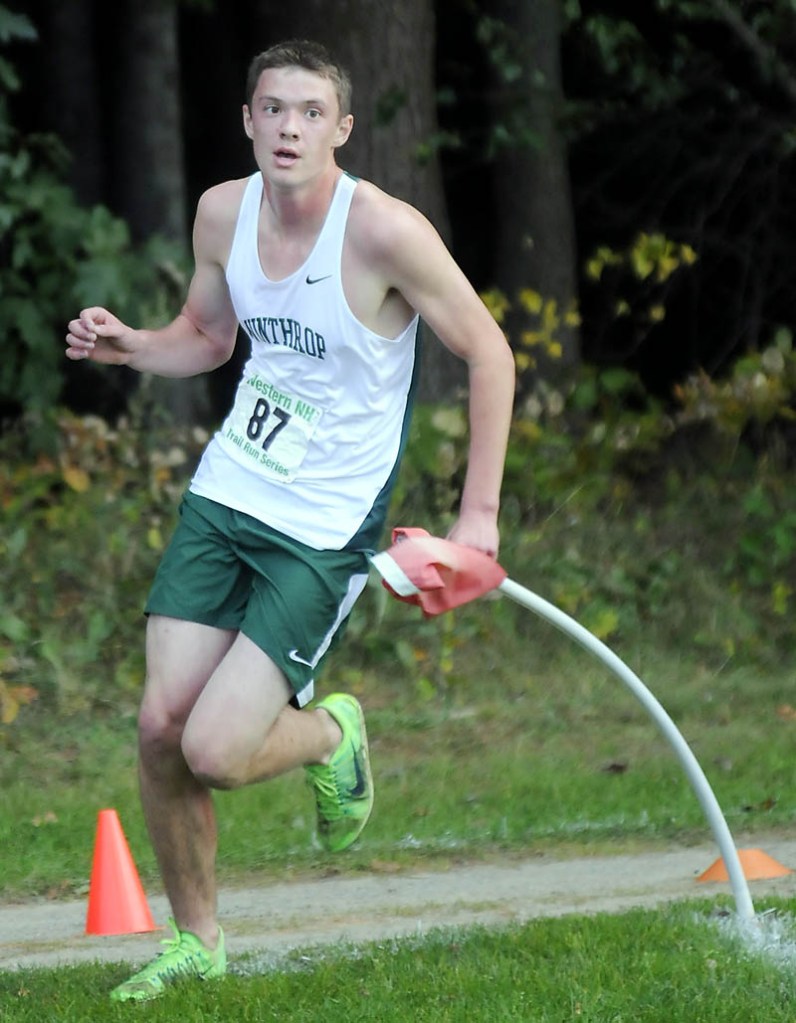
{"points": [[295, 124]]}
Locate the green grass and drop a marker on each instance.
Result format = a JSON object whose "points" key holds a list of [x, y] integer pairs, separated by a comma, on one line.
{"points": [[492, 735], [490, 730], [677, 965], [551, 753]]}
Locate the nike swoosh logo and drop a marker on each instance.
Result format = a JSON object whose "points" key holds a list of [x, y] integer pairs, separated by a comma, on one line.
{"points": [[314, 280], [361, 786], [294, 655]]}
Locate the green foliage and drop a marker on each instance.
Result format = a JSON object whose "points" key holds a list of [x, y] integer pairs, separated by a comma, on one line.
{"points": [[629, 51], [669, 536], [765, 556], [538, 324], [632, 282], [634, 61], [630, 511], [626, 511], [81, 531], [511, 59], [638, 272], [389, 105], [759, 391], [500, 44], [12, 27], [59, 257], [684, 573]]}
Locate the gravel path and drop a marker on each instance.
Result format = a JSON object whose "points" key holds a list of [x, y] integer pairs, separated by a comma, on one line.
{"points": [[275, 918]]}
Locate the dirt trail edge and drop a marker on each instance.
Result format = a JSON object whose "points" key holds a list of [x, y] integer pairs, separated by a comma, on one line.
{"points": [[278, 917]]}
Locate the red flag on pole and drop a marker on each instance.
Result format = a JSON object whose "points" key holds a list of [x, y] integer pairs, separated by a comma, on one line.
{"points": [[436, 575]]}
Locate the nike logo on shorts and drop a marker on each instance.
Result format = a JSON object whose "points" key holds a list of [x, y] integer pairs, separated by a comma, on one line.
{"points": [[295, 656]]}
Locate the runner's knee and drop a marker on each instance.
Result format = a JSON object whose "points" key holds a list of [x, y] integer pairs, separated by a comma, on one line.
{"points": [[159, 729], [213, 761]]}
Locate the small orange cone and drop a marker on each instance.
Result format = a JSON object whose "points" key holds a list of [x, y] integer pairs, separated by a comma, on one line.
{"points": [[756, 866], [116, 900]]}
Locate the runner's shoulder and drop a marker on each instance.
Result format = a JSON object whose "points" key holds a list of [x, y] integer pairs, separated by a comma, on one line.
{"points": [[381, 222], [218, 205]]}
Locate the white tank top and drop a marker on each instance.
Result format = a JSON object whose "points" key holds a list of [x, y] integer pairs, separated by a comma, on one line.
{"points": [[312, 443]]}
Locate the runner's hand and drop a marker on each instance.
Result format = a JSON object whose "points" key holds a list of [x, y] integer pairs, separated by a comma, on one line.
{"points": [[99, 335], [478, 530]]}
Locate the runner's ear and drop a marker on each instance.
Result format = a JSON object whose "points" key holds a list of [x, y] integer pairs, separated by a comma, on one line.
{"points": [[344, 129], [247, 121]]}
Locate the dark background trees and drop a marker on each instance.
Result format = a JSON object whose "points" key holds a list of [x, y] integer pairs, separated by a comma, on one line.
{"points": [[685, 127], [534, 133]]}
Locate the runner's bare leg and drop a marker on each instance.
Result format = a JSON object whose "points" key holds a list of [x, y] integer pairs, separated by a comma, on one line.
{"points": [[196, 734]]}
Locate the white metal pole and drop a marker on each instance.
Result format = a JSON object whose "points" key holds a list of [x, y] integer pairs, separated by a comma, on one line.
{"points": [[696, 775]]}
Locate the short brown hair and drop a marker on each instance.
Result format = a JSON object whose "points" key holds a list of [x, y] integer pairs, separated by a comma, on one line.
{"points": [[304, 54]]}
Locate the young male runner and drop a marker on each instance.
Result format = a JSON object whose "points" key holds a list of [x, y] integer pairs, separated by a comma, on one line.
{"points": [[328, 276]]}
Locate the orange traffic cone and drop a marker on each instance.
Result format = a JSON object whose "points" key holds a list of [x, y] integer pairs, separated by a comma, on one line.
{"points": [[756, 866], [116, 900]]}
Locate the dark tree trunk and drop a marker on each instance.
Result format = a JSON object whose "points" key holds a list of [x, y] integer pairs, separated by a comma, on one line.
{"points": [[146, 122], [148, 152], [388, 47], [72, 108], [535, 236]]}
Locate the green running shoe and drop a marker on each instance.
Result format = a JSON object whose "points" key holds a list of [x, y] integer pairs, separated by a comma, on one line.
{"points": [[183, 956], [344, 786]]}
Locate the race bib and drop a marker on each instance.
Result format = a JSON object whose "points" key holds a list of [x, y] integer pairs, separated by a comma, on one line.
{"points": [[269, 430]]}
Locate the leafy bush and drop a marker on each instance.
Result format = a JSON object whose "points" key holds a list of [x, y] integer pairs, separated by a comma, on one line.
{"points": [[60, 258], [82, 531], [677, 521], [57, 257], [658, 529]]}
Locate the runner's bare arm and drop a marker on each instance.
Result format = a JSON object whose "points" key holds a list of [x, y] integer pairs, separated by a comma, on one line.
{"points": [[414, 260], [200, 338]]}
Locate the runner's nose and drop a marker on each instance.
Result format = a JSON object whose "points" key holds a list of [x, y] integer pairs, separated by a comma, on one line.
{"points": [[289, 128]]}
